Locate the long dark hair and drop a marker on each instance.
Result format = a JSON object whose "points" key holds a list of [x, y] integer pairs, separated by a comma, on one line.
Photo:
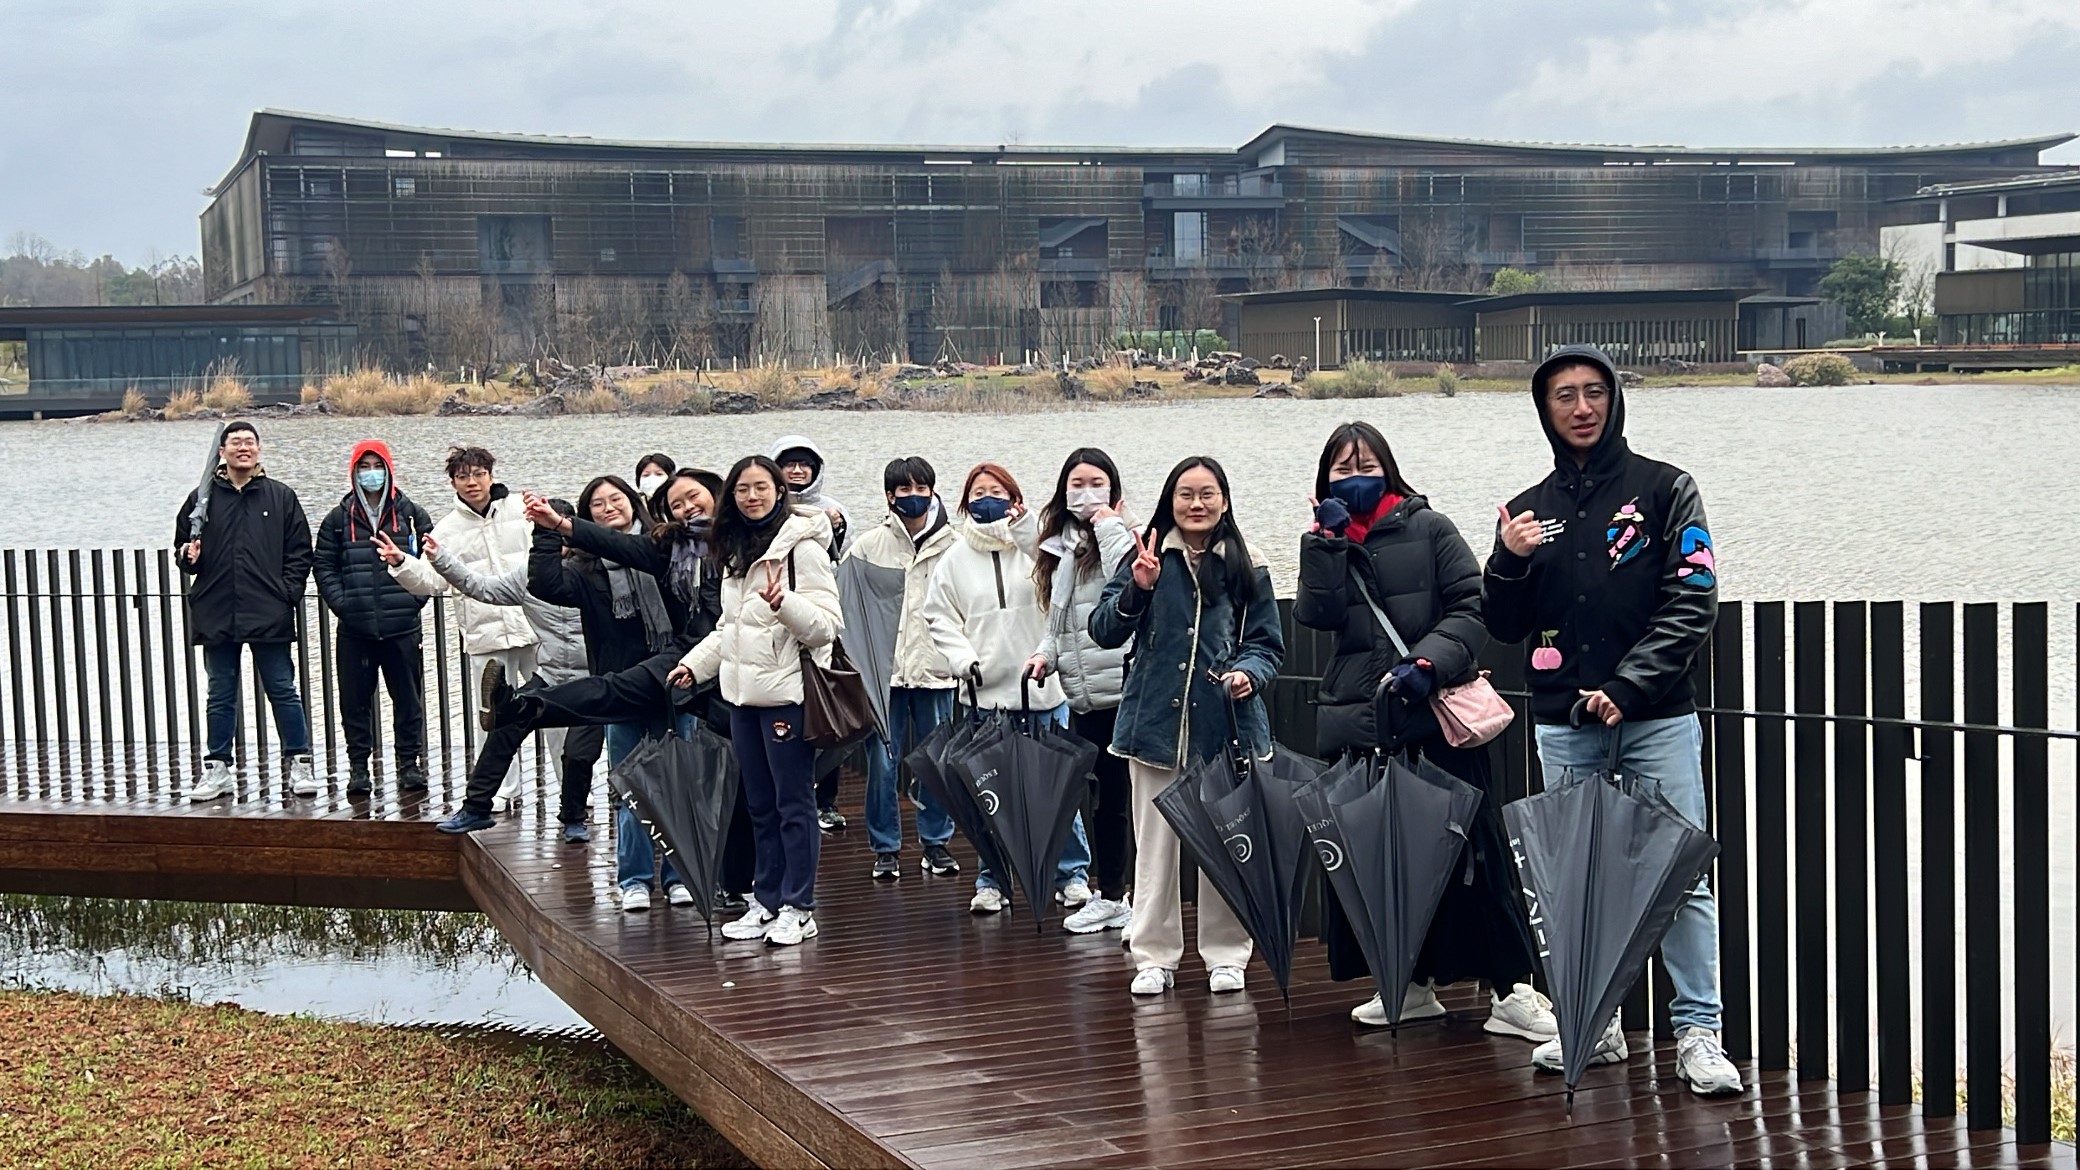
{"points": [[636, 507], [739, 544], [1225, 541], [1055, 518], [670, 528], [1366, 435]]}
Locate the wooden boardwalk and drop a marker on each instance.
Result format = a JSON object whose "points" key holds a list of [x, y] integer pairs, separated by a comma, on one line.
{"points": [[912, 1033]]}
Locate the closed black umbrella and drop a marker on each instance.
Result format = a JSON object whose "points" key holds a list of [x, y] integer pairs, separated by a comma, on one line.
{"points": [[1606, 868], [685, 792], [1028, 780], [1391, 838], [928, 763], [870, 597]]}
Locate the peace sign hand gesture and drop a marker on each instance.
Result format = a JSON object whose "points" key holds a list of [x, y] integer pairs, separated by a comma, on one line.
{"points": [[1147, 564], [775, 591]]}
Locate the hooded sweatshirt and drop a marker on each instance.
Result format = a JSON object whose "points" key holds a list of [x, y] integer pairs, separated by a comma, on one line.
{"points": [[814, 495], [984, 613], [1624, 590], [352, 577]]}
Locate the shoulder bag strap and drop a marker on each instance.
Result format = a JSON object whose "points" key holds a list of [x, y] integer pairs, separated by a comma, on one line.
{"points": [[1379, 615]]}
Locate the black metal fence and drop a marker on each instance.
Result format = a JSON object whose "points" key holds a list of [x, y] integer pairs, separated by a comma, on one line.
{"points": [[1832, 804]]}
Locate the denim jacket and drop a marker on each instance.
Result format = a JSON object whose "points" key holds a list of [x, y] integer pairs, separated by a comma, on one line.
{"points": [[1172, 712]]}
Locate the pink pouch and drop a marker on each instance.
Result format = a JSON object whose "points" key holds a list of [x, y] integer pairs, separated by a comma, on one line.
{"points": [[1471, 713]]}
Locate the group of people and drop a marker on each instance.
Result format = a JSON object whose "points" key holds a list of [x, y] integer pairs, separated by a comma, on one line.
{"points": [[696, 597]]}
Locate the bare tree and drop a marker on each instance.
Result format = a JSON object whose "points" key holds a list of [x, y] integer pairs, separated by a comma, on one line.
{"points": [[689, 319], [1438, 253]]}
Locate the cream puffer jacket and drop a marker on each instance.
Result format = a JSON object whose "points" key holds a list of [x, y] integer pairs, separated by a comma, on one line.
{"points": [[756, 649], [919, 664], [984, 613], [491, 545], [1091, 675]]}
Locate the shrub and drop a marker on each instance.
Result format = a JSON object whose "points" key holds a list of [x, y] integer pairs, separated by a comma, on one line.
{"points": [[183, 404], [670, 394], [367, 393], [1182, 340], [134, 402], [226, 394], [1109, 383], [309, 394], [1447, 380], [1358, 379], [1820, 369], [771, 385], [598, 400]]}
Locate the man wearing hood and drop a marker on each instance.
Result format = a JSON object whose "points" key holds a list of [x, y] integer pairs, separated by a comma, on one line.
{"points": [[488, 534], [249, 560], [378, 618], [1608, 564], [801, 462]]}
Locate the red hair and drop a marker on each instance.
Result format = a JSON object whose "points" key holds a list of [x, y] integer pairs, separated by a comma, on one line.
{"points": [[994, 471]]}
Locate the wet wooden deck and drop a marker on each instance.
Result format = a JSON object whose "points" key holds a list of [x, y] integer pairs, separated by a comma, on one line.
{"points": [[912, 1033]]}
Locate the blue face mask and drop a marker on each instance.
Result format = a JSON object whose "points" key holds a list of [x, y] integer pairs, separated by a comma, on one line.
{"points": [[989, 509], [1361, 492], [371, 479], [911, 506]]}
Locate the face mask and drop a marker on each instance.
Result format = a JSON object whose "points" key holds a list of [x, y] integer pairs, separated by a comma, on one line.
{"points": [[649, 484], [989, 509], [1084, 501], [371, 479], [1361, 492], [911, 507]]}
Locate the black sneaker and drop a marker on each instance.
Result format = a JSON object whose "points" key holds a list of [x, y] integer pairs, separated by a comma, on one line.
{"points": [[492, 693], [938, 861], [830, 820], [887, 867], [358, 783], [411, 777], [730, 903]]}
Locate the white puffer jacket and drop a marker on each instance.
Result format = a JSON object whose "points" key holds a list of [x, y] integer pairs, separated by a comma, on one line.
{"points": [[919, 664], [983, 612], [1091, 675], [492, 545], [756, 649]]}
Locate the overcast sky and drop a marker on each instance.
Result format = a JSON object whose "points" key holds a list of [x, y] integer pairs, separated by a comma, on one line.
{"points": [[115, 116]]}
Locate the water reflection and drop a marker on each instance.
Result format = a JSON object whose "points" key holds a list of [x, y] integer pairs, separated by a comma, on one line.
{"points": [[377, 966]]}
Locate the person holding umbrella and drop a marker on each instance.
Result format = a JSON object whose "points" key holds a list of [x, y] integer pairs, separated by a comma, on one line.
{"points": [[908, 545], [801, 461], [1205, 627], [985, 618], [1609, 564], [244, 540], [1084, 538], [1378, 554]]}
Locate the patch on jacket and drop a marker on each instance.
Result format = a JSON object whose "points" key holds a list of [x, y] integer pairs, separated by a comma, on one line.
{"points": [[1627, 534], [1547, 655], [1700, 567], [783, 731]]}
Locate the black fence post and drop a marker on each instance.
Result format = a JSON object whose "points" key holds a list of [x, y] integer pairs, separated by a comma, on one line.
{"points": [[14, 665], [1851, 860], [1809, 742], [1938, 863], [1772, 845], [2032, 816], [1889, 826], [1730, 783], [36, 687], [1982, 868], [167, 650]]}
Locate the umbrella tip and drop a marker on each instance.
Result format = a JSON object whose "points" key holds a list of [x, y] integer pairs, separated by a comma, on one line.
{"points": [[1570, 1103]]}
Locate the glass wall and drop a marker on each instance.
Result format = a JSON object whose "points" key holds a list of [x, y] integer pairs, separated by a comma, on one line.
{"points": [[163, 359], [2050, 309]]}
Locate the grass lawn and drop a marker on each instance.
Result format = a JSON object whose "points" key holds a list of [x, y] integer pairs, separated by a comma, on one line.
{"points": [[130, 1081]]}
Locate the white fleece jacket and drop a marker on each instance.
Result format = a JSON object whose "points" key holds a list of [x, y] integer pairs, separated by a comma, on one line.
{"points": [[756, 649], [983, 612], [918, 664]]}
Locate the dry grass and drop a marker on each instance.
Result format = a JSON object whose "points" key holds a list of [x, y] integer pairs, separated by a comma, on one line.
{"points": [[369, 393], [1109, 383], [227, 394], [598, 400], [772, 386], [183, 405], [134, 403], [1357, 379], [130, 1081], [669, 394], [1447, 380]]}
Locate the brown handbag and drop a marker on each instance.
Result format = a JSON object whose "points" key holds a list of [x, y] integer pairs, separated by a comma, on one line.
{"points": [[836, 712]]}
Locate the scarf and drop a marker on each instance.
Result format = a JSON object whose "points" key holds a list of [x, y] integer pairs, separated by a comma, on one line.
{"points": [[635, 593], [684, 573], [992, 537], [1359, 526]]}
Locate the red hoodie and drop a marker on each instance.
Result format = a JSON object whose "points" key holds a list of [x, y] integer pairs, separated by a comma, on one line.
{"points": [[354, 500]]}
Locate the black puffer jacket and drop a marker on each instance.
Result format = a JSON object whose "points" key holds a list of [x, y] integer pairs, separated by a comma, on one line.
{"points": [[1414, 562], [352, 578], [256, 556], [612, 644], [1625, 588]]}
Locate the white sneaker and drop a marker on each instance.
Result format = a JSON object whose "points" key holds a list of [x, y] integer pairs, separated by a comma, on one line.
{"points": [[303, 781], [754, 924], [678, 895], [1099, 914], [1703, 1065], [1151, 981], [500, 805], [791, 927], [1224, 979], [987, 900], [214, 782], [1610, 1049], [1075, 895], [1418, 1003], [635, 899], [1524, 1014]]}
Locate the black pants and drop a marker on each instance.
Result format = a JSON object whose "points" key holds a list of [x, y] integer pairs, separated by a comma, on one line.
{"points": [[1112, 806], [401, 663]]}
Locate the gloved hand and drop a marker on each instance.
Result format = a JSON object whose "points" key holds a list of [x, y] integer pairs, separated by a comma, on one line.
{"points": [[1332, 514], [1412, 681]]}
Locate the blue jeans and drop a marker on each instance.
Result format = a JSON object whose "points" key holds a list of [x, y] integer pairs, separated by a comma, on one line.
{"points": [[912, 714], [1659, 755], [1075, 863], [635, 859], [277, 678]]}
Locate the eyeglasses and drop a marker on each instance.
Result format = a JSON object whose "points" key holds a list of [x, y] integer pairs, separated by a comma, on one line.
{"points": [[1568, 395], [1188, 497], [802, 463]]}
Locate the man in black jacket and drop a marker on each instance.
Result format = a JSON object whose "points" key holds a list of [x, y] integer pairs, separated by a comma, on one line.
{"points": [[378, 618], [1609, 564], [249, 563]]}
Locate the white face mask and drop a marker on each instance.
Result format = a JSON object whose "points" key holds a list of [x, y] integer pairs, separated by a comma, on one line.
{"points": [[1084, 501], [649, 484]]}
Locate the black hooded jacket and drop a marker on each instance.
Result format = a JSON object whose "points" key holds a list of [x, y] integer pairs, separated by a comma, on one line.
{"points": [[1624, 590], [1417, 567], [352, 578]]}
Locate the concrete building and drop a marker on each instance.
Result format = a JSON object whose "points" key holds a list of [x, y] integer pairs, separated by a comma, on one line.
{"points": [[456, 246], [2005, 258]]}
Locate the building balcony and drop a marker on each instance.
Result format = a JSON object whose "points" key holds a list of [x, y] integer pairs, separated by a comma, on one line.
{"points": [[1518, 259], [1241, 193], [735, 267], [1225, 265], [1074, 268]]}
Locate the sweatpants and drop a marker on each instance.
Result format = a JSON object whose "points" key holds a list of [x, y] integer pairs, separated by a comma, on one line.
{"points": [[1157, 932], [401, 663], [778, 766], [1112, 806], [520, 666]]}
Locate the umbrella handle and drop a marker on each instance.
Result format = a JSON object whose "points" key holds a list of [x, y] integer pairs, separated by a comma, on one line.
{"points": [[1616, 753]]}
